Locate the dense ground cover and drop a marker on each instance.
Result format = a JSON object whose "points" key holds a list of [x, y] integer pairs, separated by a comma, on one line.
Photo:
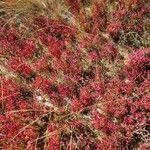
{"points": [[74, 75]]}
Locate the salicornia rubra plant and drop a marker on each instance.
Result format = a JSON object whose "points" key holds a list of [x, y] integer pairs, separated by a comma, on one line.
{"points": [[74, 75]]}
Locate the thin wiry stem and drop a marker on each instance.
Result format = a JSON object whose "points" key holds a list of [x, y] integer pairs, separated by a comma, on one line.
{"points": [[2, 93], [50, 134], [25, 110], [28, 126], [5, 97]]}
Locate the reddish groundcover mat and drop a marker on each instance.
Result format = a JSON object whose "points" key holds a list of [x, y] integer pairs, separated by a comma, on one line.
{"points": [[74, 75]]}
